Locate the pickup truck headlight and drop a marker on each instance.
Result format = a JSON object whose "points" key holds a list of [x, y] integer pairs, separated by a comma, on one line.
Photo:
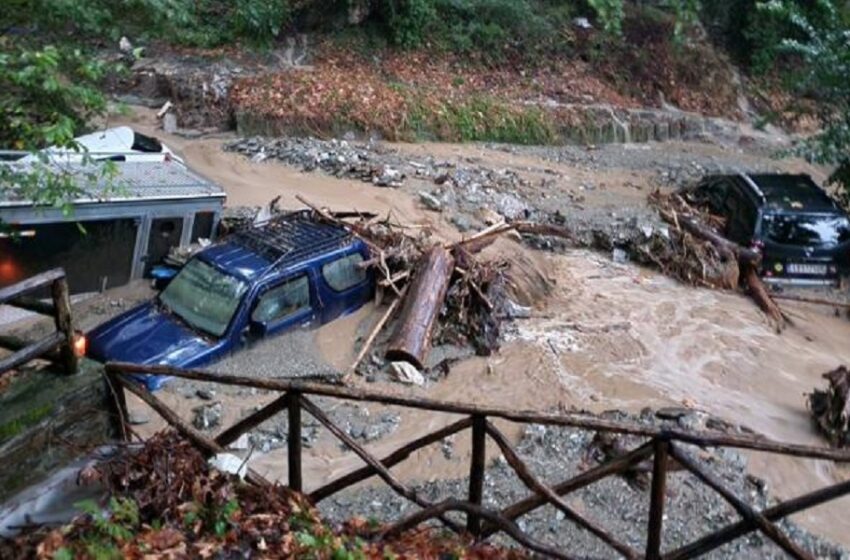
{"points": [[80, 344]]}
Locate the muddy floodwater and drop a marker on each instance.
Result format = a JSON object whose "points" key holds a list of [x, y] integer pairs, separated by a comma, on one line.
{"points": [[606, 336]]}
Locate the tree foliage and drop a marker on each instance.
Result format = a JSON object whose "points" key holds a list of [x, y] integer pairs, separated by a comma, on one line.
{"points": [[824, 48]]}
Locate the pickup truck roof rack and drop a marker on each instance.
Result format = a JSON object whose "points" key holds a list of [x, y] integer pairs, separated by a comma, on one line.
{"points": [[291, 237]]}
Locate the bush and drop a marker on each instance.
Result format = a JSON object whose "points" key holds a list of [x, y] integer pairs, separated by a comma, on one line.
{"points": [[494, 26], [204, 23], [407, 21], [260, 21]]}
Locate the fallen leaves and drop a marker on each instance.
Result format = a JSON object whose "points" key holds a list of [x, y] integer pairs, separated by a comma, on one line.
{"points": [[167, 503]]}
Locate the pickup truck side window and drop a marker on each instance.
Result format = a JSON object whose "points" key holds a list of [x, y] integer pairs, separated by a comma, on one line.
{"points": [[344, 273], [282, 301], [741, 217]]}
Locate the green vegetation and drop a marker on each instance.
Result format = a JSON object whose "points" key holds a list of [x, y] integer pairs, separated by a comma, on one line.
{"points": [[822, 43], [50, 82], [30, 418], [479, 119], [107, 530]]}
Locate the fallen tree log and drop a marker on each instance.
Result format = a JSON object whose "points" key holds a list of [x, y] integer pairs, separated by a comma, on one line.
{"points": [[412, 338], [476, 243], [758, 291], [694, 227], [748, 260]]}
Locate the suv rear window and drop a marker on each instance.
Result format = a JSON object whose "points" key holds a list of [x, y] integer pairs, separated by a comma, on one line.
{"points": [[344, 273], [802, 229]]}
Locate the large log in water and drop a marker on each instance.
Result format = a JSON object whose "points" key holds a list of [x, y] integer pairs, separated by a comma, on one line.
{"points": [[412, 338]]}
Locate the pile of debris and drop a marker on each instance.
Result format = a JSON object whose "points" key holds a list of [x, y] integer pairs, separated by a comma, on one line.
{"points": [[166, 500], [442, 291], [830, 408], [335, 157], [696, 253]]}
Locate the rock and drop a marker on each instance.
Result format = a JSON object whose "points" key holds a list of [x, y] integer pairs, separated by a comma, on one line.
{"points": [[228, 463], [189, 133], [448, 446], [259, 157], [205, 394], [125, 46], [137, 419], [461, 222], [582, 23], [388, 177], [619, 256], [407, 373], [693, 421], [490, 217], [207, 416], [430, 201], [169, 123], [513, 310], [511, 207], [241, 444]]}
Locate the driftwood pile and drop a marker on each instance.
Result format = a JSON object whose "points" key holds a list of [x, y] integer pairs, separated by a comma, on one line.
{"points": [[442, 291], [698, 254], [830, 408]]}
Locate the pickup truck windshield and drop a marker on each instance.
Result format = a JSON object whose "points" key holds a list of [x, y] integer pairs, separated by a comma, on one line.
{"points": [[803, 229], [204, 297]]}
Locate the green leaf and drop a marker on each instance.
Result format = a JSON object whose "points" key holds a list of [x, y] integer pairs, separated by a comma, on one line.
{"points": [[63, 554], [306, 540]]}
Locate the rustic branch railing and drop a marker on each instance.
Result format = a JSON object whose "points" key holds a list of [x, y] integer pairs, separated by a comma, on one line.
{"points": [[663, 447], [62, 339]]}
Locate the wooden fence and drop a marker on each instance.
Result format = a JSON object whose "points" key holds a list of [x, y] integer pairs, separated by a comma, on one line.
{"points": [[17, 295], [664, 446]]}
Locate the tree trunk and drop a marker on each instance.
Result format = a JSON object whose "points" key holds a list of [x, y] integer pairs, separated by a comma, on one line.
{"points": [[759, 293], [411, 341], [743, 255]]}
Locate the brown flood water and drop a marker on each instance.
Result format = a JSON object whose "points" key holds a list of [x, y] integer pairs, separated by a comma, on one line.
{"points": [[609, 336]]}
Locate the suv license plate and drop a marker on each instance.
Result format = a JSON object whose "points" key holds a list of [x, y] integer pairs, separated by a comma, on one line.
{"points": [[818, 269]]}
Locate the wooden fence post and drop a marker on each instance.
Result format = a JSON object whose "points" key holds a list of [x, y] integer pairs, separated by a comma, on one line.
{"points": [[64, 323], [656, 505], [293, 440], [476, 471]]}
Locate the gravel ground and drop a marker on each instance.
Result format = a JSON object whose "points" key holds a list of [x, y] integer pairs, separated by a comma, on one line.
{"points": [[620, 505], [461, 187], [293, 354]]}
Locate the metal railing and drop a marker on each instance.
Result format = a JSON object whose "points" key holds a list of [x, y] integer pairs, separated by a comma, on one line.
{"points": [[62, 339], [664, 448]]}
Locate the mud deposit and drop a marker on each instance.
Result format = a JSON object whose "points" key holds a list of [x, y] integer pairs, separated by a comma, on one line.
{"points": [[609, 335]]}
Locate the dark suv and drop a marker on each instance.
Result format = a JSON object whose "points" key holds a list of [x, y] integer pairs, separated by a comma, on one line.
{"points": [[258, 282], [802, 234]]}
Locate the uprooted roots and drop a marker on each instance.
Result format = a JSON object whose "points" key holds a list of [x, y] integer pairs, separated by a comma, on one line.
{"points": [[687, 257], [830, 408], [691, 260]]}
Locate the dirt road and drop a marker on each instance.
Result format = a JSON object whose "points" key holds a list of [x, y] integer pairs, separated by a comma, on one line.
{"points": [[609, 336]]}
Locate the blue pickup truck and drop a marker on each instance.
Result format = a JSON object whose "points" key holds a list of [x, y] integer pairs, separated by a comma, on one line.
{"points": [[290, 272]]}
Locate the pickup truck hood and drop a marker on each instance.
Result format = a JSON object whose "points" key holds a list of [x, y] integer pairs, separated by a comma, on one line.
{"points": [[146, 335]]}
